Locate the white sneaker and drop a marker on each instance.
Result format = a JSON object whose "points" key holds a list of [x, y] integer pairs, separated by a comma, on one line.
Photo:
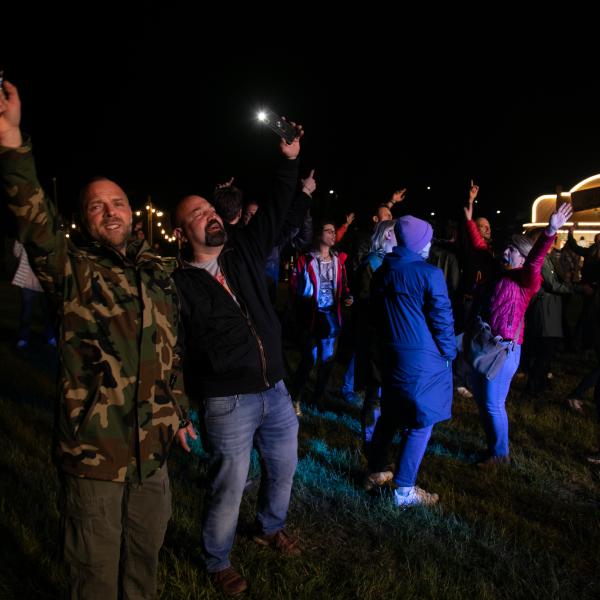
{"points": [[575, 405], [464, 392], [416, 497]]}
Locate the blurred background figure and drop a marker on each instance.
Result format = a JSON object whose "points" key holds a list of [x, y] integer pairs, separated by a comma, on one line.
{"points": [[31, 291]]}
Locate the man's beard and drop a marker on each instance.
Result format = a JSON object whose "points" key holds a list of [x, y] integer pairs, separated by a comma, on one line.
{"points": [[119, 240], [216, 237]]}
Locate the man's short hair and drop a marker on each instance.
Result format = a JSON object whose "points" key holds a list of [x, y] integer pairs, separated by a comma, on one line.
{"points": [[81, 199], [228, 202], [84, 188]]}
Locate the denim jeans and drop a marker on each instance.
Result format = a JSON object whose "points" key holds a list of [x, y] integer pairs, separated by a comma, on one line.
{"points": [[233, 425], [314, 350], [348, 385], [491, 400], [413, 443]]}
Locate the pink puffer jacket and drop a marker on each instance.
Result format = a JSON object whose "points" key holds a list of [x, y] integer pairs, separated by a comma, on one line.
{"points": [[514, 288]]}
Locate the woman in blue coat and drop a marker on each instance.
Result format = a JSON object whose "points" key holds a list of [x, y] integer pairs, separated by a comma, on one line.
{"points": [[417, 336]]}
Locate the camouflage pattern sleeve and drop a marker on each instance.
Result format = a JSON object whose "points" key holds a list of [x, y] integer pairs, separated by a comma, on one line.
{"points": [[36, 216]]}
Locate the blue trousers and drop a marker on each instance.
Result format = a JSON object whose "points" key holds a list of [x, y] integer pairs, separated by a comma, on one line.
{"points": [[348, 385], [413, 443], [314, 350], [233, 425], [491, 400]]}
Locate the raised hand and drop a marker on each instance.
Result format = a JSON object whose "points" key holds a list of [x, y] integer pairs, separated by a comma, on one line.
{"points": [[292, 150], [309, 185], [398, 196], [227, 183], [350, 218], [558, 218], [473, 191]]}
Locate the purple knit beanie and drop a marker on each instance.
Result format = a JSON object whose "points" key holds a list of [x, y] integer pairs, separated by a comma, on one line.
{"points": [[413, 233]]}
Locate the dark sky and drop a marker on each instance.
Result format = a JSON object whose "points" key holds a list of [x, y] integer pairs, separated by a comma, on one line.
{"points": [[165, 105]]}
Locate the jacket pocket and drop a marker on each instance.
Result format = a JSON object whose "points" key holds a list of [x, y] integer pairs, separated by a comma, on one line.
{"points": [[89, 413]]}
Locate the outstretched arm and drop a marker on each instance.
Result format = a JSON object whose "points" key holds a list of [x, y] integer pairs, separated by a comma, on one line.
{"points": [[530, 275], [262, 232], [342, 229], [473, 191], [36, 215], [397, 196]]}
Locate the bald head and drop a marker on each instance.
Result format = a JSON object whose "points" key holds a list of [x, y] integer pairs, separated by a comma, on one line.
{"points": [[198, 223]]}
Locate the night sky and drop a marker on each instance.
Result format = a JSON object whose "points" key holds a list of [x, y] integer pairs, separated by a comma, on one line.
{"points": [[165, 105]]}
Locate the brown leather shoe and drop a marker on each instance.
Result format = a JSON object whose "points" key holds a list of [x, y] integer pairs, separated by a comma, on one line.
{"points": [[280, 541], [228, 581], [376, 480]]}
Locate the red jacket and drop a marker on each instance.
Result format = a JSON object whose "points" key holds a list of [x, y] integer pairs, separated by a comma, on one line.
{"points": [[513, 289], [306, 284]]}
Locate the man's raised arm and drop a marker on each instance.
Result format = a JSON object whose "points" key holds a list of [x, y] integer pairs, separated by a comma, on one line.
{"points": [[36, 216]]}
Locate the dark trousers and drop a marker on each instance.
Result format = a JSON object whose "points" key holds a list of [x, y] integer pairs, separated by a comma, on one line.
{"points": [[107, 525], [542, 351], [28, 298]]}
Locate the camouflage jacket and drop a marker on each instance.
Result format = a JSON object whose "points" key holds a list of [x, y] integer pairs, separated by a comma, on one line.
{"points": [[120, 400]]}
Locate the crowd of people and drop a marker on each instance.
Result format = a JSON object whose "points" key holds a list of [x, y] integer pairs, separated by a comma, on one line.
{"points": [[423, 318]]}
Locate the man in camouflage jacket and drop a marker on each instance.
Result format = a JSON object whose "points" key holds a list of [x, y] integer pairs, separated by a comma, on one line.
{"points": [[120, 401]]}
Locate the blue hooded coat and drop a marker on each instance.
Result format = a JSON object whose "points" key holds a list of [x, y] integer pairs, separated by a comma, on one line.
{"points": [[416, 331]]}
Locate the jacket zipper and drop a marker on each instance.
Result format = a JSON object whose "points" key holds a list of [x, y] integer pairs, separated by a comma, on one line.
{"points": [[261, 348]]}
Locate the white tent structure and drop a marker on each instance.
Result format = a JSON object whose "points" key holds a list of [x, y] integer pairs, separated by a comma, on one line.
{"points": [[586, 221]]}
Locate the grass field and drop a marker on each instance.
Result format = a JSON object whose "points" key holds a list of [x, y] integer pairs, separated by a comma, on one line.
{"points": [[531, 531]]}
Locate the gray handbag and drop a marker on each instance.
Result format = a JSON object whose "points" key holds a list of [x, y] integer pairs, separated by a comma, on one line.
{"points": [[485, 352]]}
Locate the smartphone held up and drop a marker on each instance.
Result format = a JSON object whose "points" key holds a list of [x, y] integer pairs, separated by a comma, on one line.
{"points": [[277, 124]]}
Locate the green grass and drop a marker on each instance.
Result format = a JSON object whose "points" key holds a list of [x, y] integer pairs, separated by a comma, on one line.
{"points": [[531, 531]]}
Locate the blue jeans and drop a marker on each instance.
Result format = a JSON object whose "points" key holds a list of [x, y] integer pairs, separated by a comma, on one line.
{"points": [[314, 349], [491, 399], [233, 425], [348, 385], [413, 443]]}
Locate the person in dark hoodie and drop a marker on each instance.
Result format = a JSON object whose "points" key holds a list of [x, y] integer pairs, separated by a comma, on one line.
{"points": [[368, 374], [234, 368], [418, 345]]}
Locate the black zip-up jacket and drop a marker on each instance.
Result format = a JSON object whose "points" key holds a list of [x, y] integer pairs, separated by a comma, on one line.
{"points": [[235, 347]]}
